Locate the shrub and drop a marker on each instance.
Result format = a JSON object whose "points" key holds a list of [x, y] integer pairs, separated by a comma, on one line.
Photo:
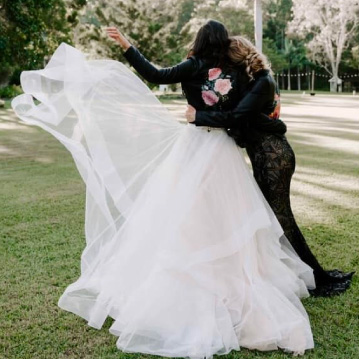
{"points": [[15, 77], [10, 91]]}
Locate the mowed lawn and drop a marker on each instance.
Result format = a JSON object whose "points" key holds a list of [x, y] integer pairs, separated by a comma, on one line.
{"points": [[42, 202]]}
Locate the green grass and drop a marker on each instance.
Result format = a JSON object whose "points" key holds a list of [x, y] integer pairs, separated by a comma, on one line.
{"points": [[41, 235], [7, 105]]}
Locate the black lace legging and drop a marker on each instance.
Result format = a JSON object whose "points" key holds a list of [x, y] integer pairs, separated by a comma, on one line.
{"points": [[273, 163]]}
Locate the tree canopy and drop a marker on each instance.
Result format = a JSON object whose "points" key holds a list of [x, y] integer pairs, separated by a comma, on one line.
{"points": [[328, 26], [30, 30]]}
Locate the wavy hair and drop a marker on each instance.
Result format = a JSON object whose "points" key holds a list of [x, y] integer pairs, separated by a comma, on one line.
{"points": [[242, 52]]}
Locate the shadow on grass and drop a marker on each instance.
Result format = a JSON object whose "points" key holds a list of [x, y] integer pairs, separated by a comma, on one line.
{"points": [[320, 120], [41, 240]]}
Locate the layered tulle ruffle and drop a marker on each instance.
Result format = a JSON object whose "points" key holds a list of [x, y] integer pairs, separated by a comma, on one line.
{"points": [[182, 250]]}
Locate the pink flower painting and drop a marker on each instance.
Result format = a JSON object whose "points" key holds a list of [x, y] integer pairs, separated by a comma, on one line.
{"points": [[223, 86], [209, 98], [276, 113], [216, 88], [214, 73]]}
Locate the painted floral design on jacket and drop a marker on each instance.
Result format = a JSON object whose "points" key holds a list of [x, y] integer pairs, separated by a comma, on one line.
{"points": [[217, 87], [276, 112], [209, 97]]}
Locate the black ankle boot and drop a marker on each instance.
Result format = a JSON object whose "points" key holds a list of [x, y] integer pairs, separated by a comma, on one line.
{"points": [[330, 289]]}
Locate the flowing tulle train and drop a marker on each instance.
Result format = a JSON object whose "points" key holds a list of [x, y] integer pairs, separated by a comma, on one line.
{"points": [[182, 250]]}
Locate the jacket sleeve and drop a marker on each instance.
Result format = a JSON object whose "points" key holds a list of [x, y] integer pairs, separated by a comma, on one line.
{"points": [[249, 106], [264, 123], [178, 73]]}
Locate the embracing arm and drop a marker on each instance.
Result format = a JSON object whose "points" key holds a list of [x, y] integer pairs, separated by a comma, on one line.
{"points": [[249, 106]]}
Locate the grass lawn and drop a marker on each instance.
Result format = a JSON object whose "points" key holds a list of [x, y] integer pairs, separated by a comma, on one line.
{"points": [[42, 219]]}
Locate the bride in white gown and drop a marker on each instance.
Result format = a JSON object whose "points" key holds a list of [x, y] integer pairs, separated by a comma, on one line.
{"points": [[182, 250]]}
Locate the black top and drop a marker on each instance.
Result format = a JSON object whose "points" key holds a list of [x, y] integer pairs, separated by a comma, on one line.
{"points": [[244, 121], [193, 74], [258, 97], [214, 92]]}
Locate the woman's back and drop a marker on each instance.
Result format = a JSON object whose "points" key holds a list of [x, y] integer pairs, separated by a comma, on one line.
{"points": [[215, 88], [206, 85]]}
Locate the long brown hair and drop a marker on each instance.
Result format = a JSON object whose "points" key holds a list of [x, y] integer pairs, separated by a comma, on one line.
{"points": [[243, 53], [211, 42]]}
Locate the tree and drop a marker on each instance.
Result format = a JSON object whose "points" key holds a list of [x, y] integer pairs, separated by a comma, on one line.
{"points": [[299, 59], [30, 30], [355, 55], [289, 53], [294, 53], [276, 17], [329, 26], [154, 26], [351, 54], [276, 58], [236, 15]]}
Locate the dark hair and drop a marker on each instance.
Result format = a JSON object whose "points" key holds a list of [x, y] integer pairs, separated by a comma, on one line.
{"points": [[211, 42]]}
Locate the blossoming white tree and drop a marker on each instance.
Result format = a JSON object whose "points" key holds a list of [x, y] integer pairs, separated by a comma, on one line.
{"points": [[330, 25]]}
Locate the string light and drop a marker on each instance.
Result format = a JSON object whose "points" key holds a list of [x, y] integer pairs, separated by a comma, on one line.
{"points": [[343, 76]]}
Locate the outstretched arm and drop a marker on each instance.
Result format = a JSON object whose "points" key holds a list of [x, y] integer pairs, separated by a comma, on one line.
{"points": [[169, 75], [181, 72]]}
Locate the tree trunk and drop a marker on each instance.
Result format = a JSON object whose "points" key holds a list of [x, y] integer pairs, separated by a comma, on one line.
{"points": [[283, 82], [313, 75], [308, 77], [289, 88], [298, 78], [258, 24], [335, 82]]}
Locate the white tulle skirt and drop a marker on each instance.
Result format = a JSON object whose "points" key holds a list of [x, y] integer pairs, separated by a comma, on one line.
{"points": [[182, 251]]}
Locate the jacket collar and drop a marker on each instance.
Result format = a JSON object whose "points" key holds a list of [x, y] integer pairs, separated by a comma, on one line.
{"points": [[261, 73]]}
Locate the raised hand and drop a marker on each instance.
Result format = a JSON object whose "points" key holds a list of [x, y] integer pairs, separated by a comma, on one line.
{"points": [[116, 35]]}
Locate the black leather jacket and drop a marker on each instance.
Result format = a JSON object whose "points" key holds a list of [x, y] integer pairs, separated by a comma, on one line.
{"points": [[198, 78], [257, 98]]}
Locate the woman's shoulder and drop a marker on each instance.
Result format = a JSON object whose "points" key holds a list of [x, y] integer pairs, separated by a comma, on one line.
{"points": [[264, 79], [263, 75], [199, 62]]}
